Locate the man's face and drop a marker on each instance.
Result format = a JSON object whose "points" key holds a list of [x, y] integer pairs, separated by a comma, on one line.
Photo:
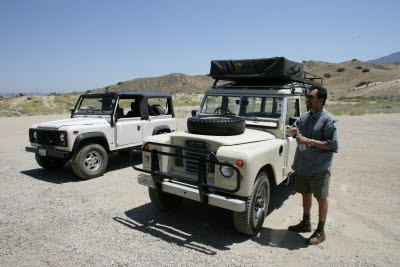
{"points": [[312, 100]]}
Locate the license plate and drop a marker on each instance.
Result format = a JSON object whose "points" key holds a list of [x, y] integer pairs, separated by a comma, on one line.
{"points": [[146, 180], [42, 152]]}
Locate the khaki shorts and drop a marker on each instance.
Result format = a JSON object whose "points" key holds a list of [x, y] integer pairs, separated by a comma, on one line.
{"points": [[317, 184]]}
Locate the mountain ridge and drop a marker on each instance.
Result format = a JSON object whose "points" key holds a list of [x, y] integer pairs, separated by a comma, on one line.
{"points": [[392, 58]]}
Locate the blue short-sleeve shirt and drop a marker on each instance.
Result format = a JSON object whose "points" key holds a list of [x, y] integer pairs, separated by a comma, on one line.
{"points": [[321, 126]]}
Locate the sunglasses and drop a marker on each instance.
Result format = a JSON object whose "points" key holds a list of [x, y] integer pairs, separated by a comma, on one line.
{"points": [[310, 97]]}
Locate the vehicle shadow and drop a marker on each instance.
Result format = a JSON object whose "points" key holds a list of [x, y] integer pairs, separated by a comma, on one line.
{"points": [[116, 161], [60, 176], [207, 229]]}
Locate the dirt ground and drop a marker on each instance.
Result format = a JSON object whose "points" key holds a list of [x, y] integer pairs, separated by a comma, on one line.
{"points": [[55, 219]]}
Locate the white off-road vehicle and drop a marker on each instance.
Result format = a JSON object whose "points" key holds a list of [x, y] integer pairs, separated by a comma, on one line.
{"points": [[237, 147], [101, 124]]}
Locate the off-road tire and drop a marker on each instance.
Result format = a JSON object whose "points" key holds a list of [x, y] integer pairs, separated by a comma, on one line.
{"points": [[164, 201], [244, 221], [89, 161], [50, 163], [216, 125]]}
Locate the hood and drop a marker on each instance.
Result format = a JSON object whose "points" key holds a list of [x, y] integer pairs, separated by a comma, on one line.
{"points": [[249, 136], [72, 122]]}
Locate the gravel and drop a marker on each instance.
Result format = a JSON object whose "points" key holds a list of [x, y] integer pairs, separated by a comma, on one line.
{"points": [[52, 218]]}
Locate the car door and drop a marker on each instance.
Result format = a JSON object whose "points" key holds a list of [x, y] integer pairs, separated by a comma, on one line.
{"points": [[129, 125], [292, 111], [129, 131]]}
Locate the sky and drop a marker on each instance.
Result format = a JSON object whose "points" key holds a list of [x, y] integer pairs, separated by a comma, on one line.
{"points": [[66, 46]]}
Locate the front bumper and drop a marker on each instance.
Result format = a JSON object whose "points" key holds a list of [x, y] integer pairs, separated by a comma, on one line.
{"points": [[198, 190], [50, 152], [194, 194]]}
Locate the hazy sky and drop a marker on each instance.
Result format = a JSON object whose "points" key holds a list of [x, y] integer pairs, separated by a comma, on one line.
{"points": [[64, 46]]}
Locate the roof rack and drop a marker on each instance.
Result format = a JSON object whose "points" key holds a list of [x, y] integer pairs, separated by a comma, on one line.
{"points": [[259, 73], [304, 79]]}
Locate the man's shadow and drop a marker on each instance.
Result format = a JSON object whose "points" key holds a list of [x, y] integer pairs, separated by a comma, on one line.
{"points": [[208, 229], [116, 161]]}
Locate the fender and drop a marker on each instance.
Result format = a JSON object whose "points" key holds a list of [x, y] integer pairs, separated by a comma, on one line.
{"points": [[161, 128], [82, 137]]}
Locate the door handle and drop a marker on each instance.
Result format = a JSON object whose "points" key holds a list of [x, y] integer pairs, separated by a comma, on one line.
{"points": [[138, 128]]}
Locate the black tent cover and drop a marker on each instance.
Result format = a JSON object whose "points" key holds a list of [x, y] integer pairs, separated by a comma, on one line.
{"points": [[276, 68]]}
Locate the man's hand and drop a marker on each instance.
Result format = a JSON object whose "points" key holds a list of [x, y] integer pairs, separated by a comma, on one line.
{"points": [[301, 140], [293, 131]]}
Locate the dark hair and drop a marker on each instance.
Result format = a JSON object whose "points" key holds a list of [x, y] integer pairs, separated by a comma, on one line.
{"points": [[322, 92]]}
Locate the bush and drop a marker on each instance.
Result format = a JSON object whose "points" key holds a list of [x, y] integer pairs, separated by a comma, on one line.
{"points": [[341, 69], [362, 83], [354, 59], [304, 61], [359, 68], [327, 75], [365, 70], [119, 83]]}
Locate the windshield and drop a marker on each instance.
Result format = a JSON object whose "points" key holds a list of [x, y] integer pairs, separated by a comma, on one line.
{"points": [[246, 106], [97, 105]]}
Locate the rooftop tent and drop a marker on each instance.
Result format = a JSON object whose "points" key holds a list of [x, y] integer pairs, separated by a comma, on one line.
{"points": [[277, 68]]}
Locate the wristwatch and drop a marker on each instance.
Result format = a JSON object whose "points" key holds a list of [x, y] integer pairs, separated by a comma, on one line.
{"points": [[312, 142]]}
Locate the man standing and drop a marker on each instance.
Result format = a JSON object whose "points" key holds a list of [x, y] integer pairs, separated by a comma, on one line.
{"points": [[313, 165]]}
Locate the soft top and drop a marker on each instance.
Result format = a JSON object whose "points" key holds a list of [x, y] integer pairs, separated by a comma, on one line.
{"points": [[133, 93]]}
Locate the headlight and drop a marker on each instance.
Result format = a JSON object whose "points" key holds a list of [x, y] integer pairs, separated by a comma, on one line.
{"points": [[35, 135], [63, 138], [226, 171]]}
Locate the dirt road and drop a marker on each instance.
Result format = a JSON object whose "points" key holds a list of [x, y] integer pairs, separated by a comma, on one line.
{"points": [[55, 219]]}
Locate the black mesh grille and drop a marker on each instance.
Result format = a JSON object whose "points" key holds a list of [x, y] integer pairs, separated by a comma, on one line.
{"points": [[48, 138], [192, 166]]}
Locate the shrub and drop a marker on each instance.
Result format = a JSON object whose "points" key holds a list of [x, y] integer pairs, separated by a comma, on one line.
{"points": [[327, 75], [362, 83], [341, 69], [119, 83], [304, 61], [359, 68], [365, 70], [354, 59]]}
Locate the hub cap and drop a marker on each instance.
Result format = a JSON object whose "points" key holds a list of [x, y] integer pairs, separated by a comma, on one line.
{"points": [[259, 205], [92, 161]]}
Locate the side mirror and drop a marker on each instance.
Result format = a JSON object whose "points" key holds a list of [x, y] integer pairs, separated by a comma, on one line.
{"points": [[194, 112], [292, 120]]}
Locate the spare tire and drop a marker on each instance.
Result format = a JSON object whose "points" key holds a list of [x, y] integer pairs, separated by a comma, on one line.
{"points": [[216, 125]]}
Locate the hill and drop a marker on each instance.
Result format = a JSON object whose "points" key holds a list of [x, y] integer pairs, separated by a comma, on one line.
{"points": [[174, 83], [346, 75], [339, 82], [392, 58]]}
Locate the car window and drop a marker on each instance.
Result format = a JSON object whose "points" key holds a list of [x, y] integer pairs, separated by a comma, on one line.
{"points": [[227, 105], [97, 105], [255, 106], [158, 106], [293, 109]]}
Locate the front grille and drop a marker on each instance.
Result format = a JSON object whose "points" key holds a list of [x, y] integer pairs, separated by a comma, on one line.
{"points": [[48, 138], [192, 166]]}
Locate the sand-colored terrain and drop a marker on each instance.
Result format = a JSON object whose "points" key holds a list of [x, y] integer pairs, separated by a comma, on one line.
{"points": [[55, 219]]}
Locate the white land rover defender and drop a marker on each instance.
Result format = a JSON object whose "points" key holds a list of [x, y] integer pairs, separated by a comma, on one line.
{"points": [[237, 147], [101, 124]]}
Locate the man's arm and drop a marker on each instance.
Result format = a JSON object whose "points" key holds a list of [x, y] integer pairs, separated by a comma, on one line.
{"points": [[331, 138], [317, 143]]}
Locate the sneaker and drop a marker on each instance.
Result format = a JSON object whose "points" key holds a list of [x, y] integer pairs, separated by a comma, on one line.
{"points": [[302, 227], [316, 238]]}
